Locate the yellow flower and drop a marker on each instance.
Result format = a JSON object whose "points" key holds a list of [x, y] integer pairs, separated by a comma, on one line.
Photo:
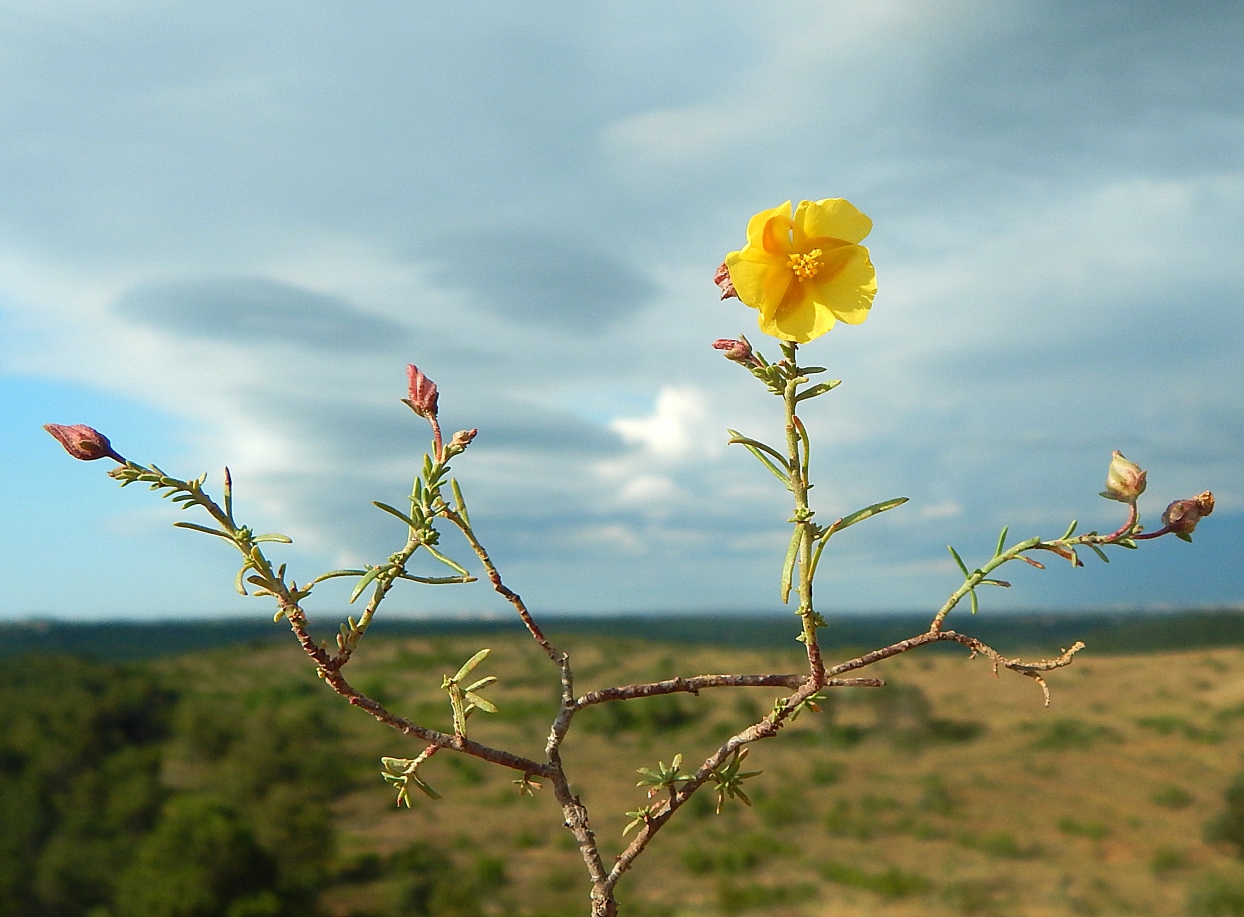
{"points": [[806, 273]]}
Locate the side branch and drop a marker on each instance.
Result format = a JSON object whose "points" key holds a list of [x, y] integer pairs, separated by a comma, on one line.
{"points": [[772, 723], [338, 683], [494, 577], [700, 682], [1031, 670]]}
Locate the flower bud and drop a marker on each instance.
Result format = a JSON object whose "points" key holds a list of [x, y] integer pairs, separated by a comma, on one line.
{"points": [[738, 351], [83, 442], [1182, 516], [1125, 481], [722, 279], [422, 396], [458, 444]]}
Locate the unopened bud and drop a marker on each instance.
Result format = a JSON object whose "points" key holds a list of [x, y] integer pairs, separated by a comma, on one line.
{"points": [[1182, 516], [422, 395], [738, 351], [83, 442], [1125, 481], [722, 279], [460, 441]]}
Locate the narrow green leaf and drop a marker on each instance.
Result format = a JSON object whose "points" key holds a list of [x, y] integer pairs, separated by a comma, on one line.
{"points": [[332, 574], [485, 705], [812, 370], [424, 788], [959, 561], [807, 447], [228, 492], [481, 684], [1070, 530], [737, 437], [204, 529], [788, 567], [975, 603], [1100, 553], [237, 580], [273, 536], [861, 514], [452, 564], [460, 504], [1001, 541], [395, 512], [819, 389], [773, 469], [437, 580], [996, 582], [367, 578], [470, 664]]}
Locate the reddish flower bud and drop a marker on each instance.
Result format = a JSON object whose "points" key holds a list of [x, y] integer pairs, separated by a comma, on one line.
{"points": [[722, 279], [422, 395], [83, 442], [1125, 481], [738, 351], [1182, 516]]}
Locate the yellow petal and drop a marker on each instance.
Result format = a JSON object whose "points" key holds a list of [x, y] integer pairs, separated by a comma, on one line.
{"points": [[847, 285], [769, 231], [760, 280], [800, 321], [832, 218]]}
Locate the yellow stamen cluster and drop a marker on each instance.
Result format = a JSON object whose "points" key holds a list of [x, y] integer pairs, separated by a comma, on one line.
{"points": [[805, 266]]}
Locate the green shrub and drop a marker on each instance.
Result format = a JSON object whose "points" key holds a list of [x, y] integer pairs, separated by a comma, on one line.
{"points": [[1215, 896], [1228, 827], [889, 883], [1171, 796], [199, 861]]}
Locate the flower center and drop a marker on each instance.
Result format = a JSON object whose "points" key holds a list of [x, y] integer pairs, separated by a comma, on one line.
{"points": [[805, 266]]}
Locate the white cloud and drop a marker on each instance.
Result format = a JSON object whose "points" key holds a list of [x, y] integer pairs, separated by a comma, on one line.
{"points": [[674, 431]]}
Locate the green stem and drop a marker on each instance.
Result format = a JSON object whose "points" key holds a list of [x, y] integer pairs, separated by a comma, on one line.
{"points": [[797, 449]]}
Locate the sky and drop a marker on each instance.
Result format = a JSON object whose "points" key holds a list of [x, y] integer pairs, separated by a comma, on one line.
{"points": [[226, 229]]}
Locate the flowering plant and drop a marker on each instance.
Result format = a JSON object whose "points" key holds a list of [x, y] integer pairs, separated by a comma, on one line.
{"points": [[802, 273]]}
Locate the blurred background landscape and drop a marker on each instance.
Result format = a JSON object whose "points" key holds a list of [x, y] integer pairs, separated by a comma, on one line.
{"points": [[196, 769]]}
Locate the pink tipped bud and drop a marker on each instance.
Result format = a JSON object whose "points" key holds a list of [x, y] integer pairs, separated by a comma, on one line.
{"points": [[422, 395], [722, 279], [83, 442], [1125, 481], [738, 351], [1182, 516], [458, 444]]}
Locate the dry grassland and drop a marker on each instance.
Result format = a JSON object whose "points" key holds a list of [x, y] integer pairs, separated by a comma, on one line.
{"points": [[947, 792]]}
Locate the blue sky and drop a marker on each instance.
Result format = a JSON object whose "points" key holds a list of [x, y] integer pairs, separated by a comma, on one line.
{"points": [[225, 230]]}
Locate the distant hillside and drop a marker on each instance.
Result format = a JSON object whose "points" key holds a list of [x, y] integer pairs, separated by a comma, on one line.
{"points": [[1104, 633]]}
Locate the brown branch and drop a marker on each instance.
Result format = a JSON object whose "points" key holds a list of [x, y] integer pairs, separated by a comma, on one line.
{"points": [[501, 588], [1032, 670], [335, 680], [764, 729], [701, 682], [576, 819]]}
